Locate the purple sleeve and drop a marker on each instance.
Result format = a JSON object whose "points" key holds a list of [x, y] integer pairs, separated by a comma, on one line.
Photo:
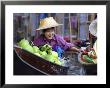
{"points": [[65, 45], [38, 41]]}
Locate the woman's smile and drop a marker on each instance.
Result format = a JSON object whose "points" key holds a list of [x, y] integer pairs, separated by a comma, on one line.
{"points": [[49, 33]]}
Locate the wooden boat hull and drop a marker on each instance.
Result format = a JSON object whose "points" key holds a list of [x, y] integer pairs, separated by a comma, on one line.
{"points": [[40, 64]]}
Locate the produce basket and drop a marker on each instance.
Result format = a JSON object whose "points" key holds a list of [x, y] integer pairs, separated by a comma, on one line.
{"points": [[40, 64], [81, 60]]}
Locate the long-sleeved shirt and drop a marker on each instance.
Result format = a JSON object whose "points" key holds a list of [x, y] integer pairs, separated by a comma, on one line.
{"points": [[57, 40]]}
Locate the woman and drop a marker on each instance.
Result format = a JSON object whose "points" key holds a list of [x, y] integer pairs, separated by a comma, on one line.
{"points": [[47, 25], [92, 70], [93, 33]]}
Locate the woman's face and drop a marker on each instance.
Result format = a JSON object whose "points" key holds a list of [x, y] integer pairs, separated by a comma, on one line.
{"points": [[49, 33]]}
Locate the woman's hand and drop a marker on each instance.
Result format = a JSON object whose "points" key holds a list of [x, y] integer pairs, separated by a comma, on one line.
{"points": [[76, 49]]}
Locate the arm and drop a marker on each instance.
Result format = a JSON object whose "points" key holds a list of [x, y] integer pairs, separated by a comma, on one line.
{"points": [[74, 49], [67, 46]]}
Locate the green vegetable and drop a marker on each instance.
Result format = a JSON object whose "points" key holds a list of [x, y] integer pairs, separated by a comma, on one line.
{"points": [[37, 54], [58, 62], [45, 47], [88, 59], [43, 54], [36, 49], [25, 45], [55, 54]]}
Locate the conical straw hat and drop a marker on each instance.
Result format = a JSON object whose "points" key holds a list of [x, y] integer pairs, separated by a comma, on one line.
{"points": [[48, 23], [93, 27]]}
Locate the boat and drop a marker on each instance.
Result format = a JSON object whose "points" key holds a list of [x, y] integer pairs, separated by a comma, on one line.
{"points": [[40, 64]]}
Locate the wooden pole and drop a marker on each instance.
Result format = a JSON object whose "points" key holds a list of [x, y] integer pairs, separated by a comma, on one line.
{"points": [[70, 28], [78, 17]]}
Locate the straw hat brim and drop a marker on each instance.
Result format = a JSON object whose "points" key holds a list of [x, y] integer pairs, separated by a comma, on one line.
{"points": [[46, 27]]}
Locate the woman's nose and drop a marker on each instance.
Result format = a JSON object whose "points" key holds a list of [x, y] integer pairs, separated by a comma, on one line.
{"points": [[51, 33]]}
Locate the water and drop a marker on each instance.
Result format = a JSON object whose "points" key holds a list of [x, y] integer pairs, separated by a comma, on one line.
{"points": [[75, 68]]}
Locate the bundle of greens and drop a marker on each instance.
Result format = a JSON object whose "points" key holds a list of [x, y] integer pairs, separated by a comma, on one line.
{"points": [[44, 51], [89, 57]]}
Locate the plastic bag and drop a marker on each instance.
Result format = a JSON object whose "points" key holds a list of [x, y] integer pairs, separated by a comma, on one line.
{"points": [[75, 68], [59, 50]]}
